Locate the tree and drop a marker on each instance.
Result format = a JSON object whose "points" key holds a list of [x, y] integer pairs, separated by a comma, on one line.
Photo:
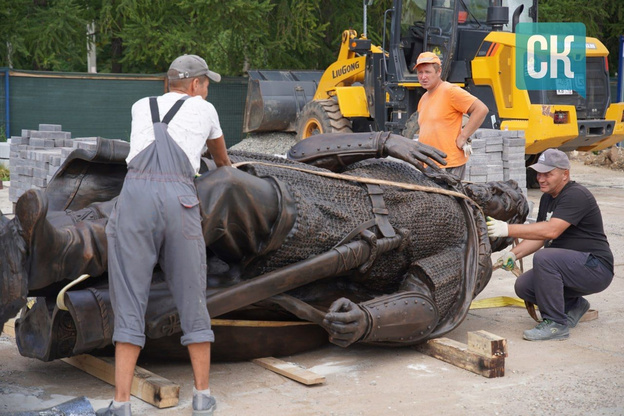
{"points": [[143, 36], [603, 19], [45, 35]]}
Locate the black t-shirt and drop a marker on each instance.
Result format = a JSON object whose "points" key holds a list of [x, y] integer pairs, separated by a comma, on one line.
{"points": [[576, 205]]}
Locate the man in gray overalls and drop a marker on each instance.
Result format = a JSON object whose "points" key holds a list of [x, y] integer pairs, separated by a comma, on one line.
{"points": [[157, 220]]}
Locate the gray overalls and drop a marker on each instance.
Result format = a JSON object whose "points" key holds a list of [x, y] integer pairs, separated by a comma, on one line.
{"points": [[157, 220]]}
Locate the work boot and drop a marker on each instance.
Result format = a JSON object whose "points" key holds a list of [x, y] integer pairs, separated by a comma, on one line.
{"points": [[58, 253], [575, 314], [547, 330], [203, 405], [124, 410]]}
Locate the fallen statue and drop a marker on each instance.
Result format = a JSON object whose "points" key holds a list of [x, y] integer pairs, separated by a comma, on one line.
{"points": [[370, 249]]}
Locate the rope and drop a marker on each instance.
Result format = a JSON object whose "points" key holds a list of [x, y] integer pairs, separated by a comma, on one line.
{"points": [[409, 186]]}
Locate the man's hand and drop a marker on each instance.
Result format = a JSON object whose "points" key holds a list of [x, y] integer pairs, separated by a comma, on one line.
{"points": [[346, 322], [507, 261], [497, 228], [414, 153]]}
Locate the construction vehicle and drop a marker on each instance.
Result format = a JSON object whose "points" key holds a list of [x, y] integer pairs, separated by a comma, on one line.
{"points": [[375, 88]]}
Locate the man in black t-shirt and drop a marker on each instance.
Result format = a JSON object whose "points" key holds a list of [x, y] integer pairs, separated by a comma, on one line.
{"points": [[575, 259]]}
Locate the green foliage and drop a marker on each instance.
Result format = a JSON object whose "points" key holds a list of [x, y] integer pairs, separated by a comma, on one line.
{"points": [[5, 175], [45, 35], [603, 19], [143, 36]]}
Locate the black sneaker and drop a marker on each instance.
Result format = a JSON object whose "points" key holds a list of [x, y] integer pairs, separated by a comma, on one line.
{"points": [[203, 405], [547, 330], [575, 315]]}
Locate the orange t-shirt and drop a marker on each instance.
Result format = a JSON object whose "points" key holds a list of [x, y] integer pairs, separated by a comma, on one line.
{"points": [[440, 117]]}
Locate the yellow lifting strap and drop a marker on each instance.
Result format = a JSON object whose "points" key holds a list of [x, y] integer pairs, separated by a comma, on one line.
{"points": [[496, 302]]}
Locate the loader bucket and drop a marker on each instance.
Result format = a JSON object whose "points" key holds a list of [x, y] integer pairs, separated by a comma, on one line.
{"points": [[274, 98]]}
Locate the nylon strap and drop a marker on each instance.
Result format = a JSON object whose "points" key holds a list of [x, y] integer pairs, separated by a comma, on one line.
{"points": [[375, 193]]}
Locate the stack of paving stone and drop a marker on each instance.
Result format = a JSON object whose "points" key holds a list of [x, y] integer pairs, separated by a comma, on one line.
{"points": [[36, 155], [497, 156]]}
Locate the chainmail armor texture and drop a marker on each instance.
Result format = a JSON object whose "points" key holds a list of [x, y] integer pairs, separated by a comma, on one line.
{"points": [[328, 209]]}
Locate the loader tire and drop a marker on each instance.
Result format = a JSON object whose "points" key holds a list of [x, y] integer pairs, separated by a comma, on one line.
{"points": [[321, 116], [411, 127]]}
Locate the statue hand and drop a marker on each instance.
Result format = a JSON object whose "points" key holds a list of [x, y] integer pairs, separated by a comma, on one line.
{"points": [[414, 153], [346, 322]]}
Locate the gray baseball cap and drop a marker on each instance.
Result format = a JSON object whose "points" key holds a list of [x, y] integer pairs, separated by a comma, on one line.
{"points": [[191, 66], [551, 159]]}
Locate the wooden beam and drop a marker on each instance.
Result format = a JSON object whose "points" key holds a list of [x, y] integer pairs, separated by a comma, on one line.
{"points": [[487, 344], [9, 328], [146, 385], [460, 355], [290, 370], [590, 315]]}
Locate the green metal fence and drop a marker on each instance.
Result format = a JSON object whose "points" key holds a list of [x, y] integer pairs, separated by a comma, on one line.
{"points": [[90, 105]]}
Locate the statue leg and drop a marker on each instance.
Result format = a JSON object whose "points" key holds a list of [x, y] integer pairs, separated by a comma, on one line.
{"points": [[13, 277], [56, 253]]}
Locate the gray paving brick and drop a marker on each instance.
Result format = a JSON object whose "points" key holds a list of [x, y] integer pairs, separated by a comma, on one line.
{"points": [[50, 127]]}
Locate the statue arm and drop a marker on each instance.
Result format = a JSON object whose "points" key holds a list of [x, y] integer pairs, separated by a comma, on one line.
{"points": [[335, 151], [402, 318]]}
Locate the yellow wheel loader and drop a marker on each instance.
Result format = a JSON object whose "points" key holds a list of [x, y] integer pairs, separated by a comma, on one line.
{"points": [[375, 88]]}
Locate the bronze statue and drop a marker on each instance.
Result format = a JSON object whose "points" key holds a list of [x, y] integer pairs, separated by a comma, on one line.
{"points": [[369, 249]]}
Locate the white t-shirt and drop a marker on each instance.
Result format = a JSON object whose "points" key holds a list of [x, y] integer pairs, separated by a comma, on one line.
{"points": [[194, 123]]}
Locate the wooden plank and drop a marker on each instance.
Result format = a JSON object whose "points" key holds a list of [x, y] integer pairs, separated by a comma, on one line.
{"points": [[487, 344], [9, 328], [590, 315], [290, 370], [146, 385], [456, 353]]}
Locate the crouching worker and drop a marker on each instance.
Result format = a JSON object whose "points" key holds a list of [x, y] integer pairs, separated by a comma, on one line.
{"points": [[157, 220], [575, 259]]}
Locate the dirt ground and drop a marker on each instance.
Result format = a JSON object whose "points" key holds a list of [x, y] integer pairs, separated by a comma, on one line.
{"points": [[583, 375]]}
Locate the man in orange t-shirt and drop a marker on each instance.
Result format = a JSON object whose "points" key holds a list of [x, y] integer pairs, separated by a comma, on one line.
{"points": [[440, 112]]}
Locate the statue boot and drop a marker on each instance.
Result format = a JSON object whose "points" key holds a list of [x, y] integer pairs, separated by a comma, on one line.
{"points": [[13, 277], [57, 253]]}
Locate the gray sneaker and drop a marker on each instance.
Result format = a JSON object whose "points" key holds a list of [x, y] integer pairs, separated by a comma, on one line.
{"points": [[547, 330], [124, 410], [575, 315], [203, 405]]}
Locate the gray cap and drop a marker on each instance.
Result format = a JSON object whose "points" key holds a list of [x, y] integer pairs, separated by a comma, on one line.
{"points": [[191, 66], [551, 159]]}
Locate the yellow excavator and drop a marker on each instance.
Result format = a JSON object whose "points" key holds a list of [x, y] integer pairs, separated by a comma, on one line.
{"points": [[374, 88]]}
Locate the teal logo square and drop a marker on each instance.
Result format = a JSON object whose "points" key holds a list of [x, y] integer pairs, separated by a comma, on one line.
{"points": [[551, 56]]}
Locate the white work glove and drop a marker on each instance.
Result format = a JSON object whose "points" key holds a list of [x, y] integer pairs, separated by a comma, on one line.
{"points": [[507, 261], [497, 228], [467, 149]]}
